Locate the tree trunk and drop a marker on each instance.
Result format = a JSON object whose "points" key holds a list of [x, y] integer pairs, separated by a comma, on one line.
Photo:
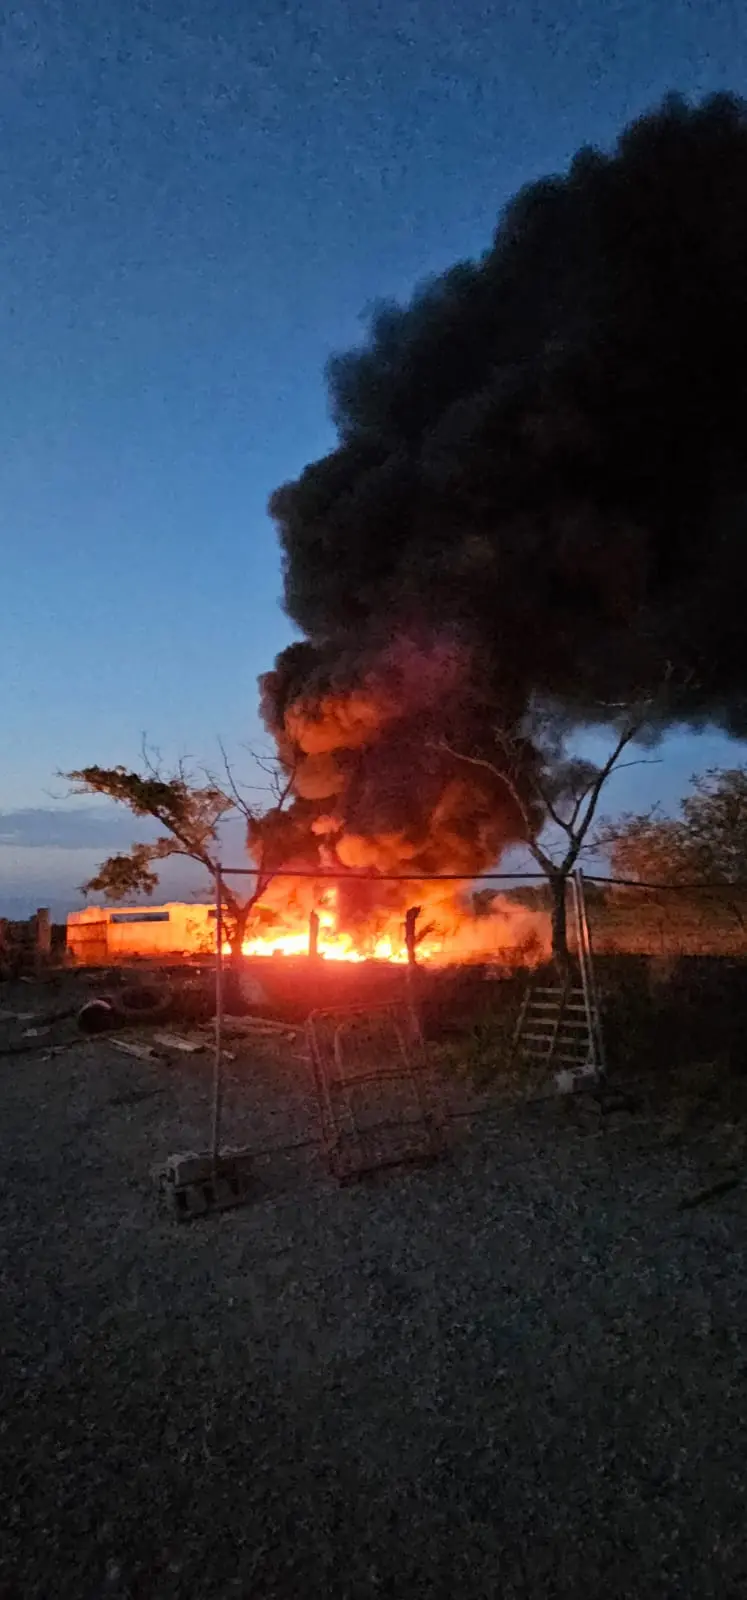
{"points": [[236, 937], [559, 922], [235, 933]]}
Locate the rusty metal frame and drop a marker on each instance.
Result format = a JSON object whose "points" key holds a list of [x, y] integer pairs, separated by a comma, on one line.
{"points": [[341, 1075]]}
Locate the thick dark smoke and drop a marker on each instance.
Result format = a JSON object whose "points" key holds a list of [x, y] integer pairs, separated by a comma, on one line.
{"points": [[539, 493]]}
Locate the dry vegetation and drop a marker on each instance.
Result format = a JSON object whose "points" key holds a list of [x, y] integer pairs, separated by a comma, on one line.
{"points": [[669, 922]]}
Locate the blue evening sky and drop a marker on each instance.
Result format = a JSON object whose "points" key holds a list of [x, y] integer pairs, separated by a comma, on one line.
{"points": [[197, 202]]}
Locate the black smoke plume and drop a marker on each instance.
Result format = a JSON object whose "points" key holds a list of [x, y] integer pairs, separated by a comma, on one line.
{"points": [[539, 495]]}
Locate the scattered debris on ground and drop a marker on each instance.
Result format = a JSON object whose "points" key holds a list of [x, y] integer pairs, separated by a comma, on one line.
{"points": [[195, 1184], [176, 1041], [131, 1047]]}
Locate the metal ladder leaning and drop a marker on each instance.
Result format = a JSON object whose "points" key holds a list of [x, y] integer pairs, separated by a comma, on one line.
{"points": [[560, 1023]]}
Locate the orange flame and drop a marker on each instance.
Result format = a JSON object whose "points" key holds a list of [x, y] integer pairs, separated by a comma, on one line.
{"points": [[451, 934]]}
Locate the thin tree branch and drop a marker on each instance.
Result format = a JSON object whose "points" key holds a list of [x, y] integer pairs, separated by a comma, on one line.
{"points": [[645, 761], [561, 822], [240, 802], [601, 778], [577, 804], [545, 861]]}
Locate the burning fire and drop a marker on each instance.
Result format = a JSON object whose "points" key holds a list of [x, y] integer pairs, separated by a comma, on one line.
{"points": [[378, 796], [335, 946], [448, 934], [331, 947]]}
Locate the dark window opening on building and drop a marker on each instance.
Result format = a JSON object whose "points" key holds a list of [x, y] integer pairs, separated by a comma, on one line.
{"points": [[140, 916]]}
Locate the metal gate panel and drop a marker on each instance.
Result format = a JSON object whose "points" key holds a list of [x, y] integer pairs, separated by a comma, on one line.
{"points": [[377, 1102]]}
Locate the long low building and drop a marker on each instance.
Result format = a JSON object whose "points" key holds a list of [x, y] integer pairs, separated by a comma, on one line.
{"points": [[102, 934]]}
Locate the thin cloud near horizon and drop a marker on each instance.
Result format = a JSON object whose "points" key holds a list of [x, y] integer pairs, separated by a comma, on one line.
{"points": [[104, 828], [76, 828]]}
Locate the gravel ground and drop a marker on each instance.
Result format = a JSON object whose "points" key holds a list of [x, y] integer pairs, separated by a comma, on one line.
{"points": [[520, 1372]]}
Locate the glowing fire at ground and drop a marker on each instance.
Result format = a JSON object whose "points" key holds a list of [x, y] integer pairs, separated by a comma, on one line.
{"points": [[445, 934], [332, 945]]}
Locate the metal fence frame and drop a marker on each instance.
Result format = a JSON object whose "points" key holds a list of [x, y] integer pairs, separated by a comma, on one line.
{"points": [[577, 881], [324, 874], [222, 872]]}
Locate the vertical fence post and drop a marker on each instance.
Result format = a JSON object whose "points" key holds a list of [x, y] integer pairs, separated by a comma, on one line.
{"points": [[218, 1061], [411, 945], [43, 937], [586, 962]]}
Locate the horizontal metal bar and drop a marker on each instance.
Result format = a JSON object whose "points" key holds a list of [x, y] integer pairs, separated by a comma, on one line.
{"points": [[404, 1076], [688, 888], [555, 996], [556, 1011], [384, 877], [724, 889]]}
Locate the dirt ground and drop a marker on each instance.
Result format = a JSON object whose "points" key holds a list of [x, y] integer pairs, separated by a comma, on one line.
{"points": [[519, 1372]]}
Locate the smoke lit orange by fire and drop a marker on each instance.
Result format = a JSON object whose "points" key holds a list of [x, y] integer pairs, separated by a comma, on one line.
{"points": [[377, 792]]}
